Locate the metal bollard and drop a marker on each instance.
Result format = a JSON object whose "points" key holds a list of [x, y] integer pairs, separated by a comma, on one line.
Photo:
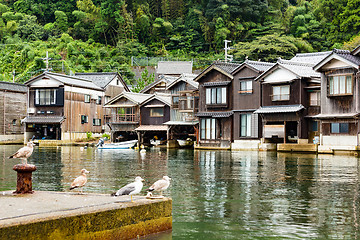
{"points": [[24, 178]]}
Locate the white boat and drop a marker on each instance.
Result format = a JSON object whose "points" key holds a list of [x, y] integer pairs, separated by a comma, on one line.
{"points": [[119, 145], [185, 143]]}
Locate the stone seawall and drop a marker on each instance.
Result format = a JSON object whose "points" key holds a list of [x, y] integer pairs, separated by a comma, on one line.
{"points": [[54, 215]]}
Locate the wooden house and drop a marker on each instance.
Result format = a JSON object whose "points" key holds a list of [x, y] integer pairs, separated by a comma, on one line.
{"points": [[286, 101], [246, 97], [340, 97], [159, 85], [124, 115], [216, 106], [183, 124], [62, 107], [13, 98], [154, 112]]}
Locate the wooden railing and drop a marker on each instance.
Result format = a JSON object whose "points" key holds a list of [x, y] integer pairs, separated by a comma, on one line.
{"points": [[120, 118]]}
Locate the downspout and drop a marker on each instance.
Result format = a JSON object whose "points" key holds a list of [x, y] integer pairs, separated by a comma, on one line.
{"points": [[4, 112], [357, 106], [70, 126]]}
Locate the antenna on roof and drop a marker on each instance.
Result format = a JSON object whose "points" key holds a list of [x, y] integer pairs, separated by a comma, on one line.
{"points": [[227, 56]]}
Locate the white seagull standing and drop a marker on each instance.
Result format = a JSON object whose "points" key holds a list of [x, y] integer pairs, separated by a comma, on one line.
{"points": [[24, 153], [131, 188], [160, 185], [80, 181]]}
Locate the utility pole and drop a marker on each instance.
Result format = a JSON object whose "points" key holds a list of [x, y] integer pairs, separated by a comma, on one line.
{"points": [[227, 56], [47, 61]]}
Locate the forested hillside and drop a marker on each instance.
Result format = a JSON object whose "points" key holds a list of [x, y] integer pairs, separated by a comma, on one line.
{"points": [[96, 35]]}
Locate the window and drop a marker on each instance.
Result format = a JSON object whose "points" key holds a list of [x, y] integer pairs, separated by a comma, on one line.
{"points": [[216, 95], [245, 87], [98, 101], [314, 126], [314, 98], [281, 93], [208, 128], [156, 112], [97, 122], [84, 119], [45, 96], [339, 127], [175, 101], [245, 125], [340, 85], [87, 98], [14, 122]]}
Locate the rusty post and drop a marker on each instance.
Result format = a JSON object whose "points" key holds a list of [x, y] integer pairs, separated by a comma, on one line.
{"points": [[24, 178]]}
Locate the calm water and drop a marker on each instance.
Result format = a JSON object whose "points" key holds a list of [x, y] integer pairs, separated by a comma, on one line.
{"points": [[219, 194]]}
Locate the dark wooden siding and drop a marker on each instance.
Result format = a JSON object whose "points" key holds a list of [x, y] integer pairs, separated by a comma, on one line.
{"points": [[146, 119]]}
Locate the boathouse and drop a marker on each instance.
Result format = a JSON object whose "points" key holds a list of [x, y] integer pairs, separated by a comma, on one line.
{"points": [[246, 97], [13, 108], [340, 97], [62, 107], [183, 125]]}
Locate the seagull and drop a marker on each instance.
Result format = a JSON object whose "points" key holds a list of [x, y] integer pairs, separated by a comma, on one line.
{"points": [[160, 185], [24, 153], [131, 188], [80, 181]]}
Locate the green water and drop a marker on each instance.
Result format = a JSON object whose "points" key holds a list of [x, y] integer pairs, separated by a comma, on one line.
{"points": [[218, 194]]}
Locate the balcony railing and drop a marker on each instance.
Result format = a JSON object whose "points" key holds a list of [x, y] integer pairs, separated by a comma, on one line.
{"points": [[121, 118]]}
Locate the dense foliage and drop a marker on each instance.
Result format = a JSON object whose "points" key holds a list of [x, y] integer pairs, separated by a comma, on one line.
{"points": [[94, 35]]}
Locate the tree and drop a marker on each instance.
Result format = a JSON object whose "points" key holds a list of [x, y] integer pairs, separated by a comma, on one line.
{"points": [[144, 80]]}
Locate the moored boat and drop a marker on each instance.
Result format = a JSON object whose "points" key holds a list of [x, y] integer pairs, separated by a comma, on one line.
{"points": [[118, 145]]}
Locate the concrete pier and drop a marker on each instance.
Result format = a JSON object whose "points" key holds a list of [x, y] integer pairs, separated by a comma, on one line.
{"points": [[61, 215]]}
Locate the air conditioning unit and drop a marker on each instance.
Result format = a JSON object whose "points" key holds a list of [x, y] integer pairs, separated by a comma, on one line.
{"points": [[31, 110]]}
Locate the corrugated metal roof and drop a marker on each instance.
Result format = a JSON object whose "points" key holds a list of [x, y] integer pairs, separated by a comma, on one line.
{"points": [[280, 109], [152, 128], [214, 114], [184, 123], [44, 119], [335, 115], [16, 87], [174, 67]]}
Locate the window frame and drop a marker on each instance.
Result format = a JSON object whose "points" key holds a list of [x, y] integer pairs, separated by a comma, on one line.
{"points": [[281, 94], [246, 90], [216, 95], [156, 108], [208, 127], [245, 125], [39, 99], [87, 98], [341, 128], [96, 122], [317, 101], [335, 79], [84, 119]]}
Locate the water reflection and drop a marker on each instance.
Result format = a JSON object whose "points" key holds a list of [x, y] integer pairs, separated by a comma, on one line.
{"points": [[218, 194]]}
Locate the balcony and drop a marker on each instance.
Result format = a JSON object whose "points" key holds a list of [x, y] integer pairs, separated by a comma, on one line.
{"points": [[122, 118]]}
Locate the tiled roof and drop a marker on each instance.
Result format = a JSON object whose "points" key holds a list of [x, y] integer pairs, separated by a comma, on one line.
{"points": [[166, 79], [215, 114], [311, 58], [261, 66], [137, 98], [174, 67], [152, 128], [300, 69], [16, 87], [188, 78], [348, 56], [44, 119], [280, 109], [68, 80], [227, 67], [212, 84], [102, 79]]}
